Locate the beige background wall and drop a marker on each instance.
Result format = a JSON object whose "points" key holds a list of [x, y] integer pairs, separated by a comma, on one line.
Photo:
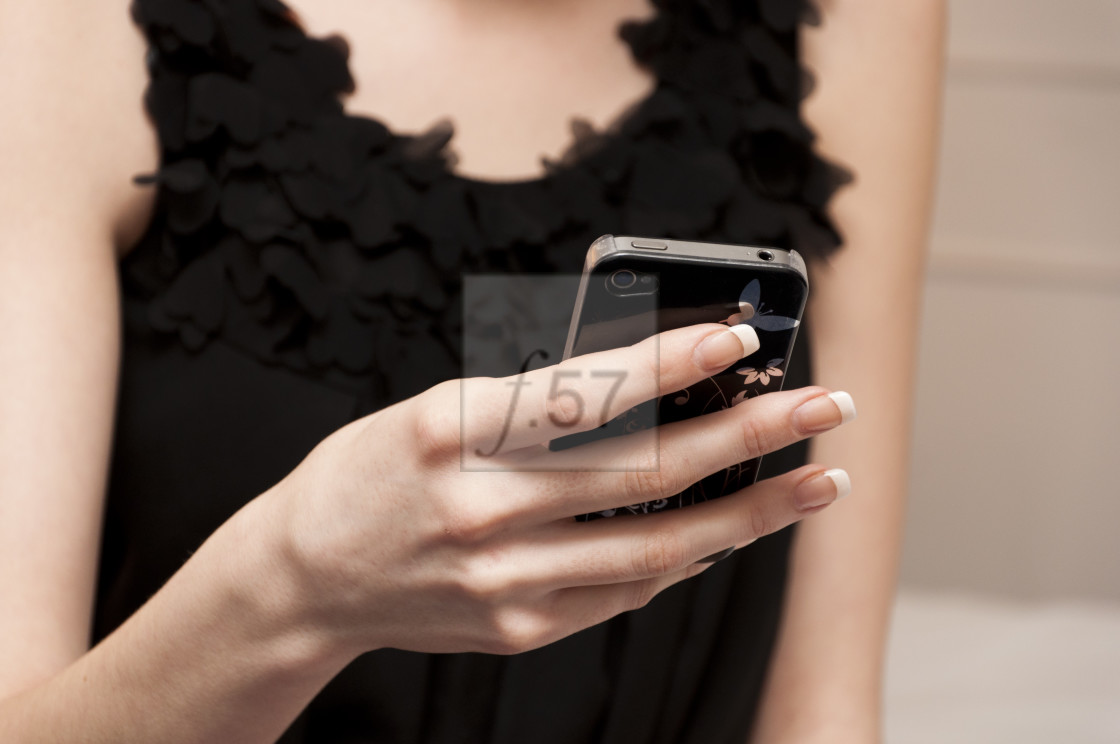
{"points": [[1016, 479]]}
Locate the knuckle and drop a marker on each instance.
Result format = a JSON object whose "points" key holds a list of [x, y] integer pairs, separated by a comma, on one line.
{"points": [[757, 522], [480, 583], [469, 523], [662, 552], [436, 422], [755, 437], [516, 631], [648, 476], [563, 409], [639, 482]]}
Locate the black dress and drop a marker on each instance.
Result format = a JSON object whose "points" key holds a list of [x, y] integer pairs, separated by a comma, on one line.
{"points": [[302, 269]]}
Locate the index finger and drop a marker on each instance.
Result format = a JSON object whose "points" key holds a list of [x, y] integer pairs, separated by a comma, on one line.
{"points": [[584, 392]]}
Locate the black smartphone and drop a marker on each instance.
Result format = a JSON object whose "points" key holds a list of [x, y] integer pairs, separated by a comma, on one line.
{"points": [[634, 287]]}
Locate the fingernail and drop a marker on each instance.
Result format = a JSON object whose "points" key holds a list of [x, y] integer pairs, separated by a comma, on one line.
{"points": [[831, 485], [824, 412], [727, 347]]}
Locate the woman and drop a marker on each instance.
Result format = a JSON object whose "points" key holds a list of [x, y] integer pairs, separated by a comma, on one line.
{"points": [[266, 316]]}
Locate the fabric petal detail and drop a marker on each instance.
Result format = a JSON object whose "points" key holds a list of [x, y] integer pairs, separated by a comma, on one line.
{"points": [[291, 270], [326, 243]]}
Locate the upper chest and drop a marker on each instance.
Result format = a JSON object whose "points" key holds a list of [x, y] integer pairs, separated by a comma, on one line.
{"points": [[510, 74]]}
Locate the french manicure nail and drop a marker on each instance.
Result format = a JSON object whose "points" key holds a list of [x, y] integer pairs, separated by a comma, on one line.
{"points": [[831, 485], [727, 347], [824, 412]]}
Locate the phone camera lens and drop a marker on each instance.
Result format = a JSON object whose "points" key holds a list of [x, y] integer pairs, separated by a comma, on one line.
{"points": [[766, 255], [623, 279]]}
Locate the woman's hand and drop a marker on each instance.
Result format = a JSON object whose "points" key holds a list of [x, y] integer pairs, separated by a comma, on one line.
{"points": [[444, 523]]}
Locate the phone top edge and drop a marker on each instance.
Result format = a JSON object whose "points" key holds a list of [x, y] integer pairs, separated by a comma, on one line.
{"points": [[609, 246], [602, 246]]}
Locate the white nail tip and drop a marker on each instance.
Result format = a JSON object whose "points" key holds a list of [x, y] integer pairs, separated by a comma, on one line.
{"points": [[846, 405], [841, 480], [747, 337]]}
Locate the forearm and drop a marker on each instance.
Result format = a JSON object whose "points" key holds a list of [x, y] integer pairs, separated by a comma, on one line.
{"points": [[223, 652]]}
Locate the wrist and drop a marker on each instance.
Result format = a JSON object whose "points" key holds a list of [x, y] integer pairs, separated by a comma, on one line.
{"points": [[269, 583]]}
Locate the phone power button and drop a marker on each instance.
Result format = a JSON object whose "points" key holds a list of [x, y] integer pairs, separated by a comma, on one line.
{"points": [[649, 245]]}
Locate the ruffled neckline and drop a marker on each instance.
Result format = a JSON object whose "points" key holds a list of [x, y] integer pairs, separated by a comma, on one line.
{"points": [[319, 240], [444, 129]]}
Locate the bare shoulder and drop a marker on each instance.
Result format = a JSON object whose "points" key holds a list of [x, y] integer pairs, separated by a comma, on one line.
{"points": [[71, 109]]}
